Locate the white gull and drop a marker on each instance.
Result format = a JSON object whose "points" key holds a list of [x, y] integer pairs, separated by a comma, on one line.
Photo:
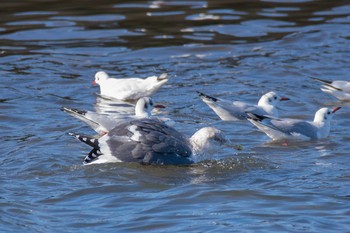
{"points": [[102, 123], [339, 89], [236, 110], [148, 141], [128, 89], [288, 128]]}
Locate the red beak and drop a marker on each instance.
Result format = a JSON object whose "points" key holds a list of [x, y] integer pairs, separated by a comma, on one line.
{"points": [[94, 83], [336, 109], [284, 99]]}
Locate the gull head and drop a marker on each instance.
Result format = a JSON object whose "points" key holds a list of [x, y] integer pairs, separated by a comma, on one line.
{"points": [[100, 77], [144, 107], [203, 138], [325, 114], [271, 98]]}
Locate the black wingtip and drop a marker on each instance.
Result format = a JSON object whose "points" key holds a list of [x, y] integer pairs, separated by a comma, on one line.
{"points": [[326, 83], [255, 117], [73, 110], [73, 135], [93, 142], [202, 95], [321, 80], [92, 156]]}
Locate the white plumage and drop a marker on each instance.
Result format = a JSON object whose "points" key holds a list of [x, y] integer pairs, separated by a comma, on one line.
{"points": [[236, 110], [339, 89], [102, 123], [128, 89], [287, 128]]}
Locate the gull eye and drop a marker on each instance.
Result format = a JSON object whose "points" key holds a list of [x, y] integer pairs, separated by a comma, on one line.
{"points": [[328, 112], [275, 97]]}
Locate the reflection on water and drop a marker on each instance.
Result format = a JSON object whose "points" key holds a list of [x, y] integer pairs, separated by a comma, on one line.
{"points": [[109, 106], [49, 53]]}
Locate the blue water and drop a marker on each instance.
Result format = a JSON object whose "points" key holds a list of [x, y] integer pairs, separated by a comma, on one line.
{"points": [[238, 50]]}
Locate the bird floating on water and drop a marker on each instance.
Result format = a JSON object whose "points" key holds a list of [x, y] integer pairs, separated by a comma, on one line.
{"points": [[102, 123], [128, 89], [236, 110], [288, 128], [339, 89], [149, 141]]}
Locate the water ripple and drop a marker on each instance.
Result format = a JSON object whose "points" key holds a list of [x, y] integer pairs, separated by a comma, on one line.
{"points": [[49, 54]]}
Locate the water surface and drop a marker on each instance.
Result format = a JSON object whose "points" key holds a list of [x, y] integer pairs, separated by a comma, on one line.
{"points": [[238, 50]]}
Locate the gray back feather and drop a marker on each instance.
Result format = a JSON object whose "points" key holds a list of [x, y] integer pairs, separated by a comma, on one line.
{"points": [[156, 143], [296, 126]]}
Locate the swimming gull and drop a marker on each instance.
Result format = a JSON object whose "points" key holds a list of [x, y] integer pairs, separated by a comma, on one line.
{"points": [[128, 89], [148, 141], [236, 110], [102, 123], [287, 128], [339, 89]]}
